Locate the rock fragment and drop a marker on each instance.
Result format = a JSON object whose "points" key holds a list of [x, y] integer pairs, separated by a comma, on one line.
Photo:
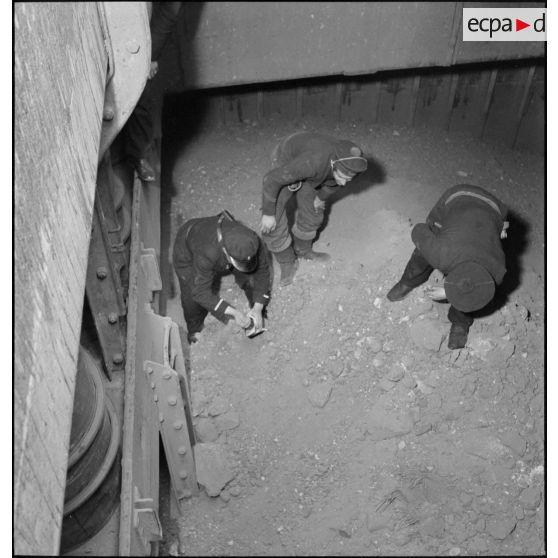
{"points": [[428, 334], [386, 384], [514, 441], [408, 381], [500, 527], [466, 499], [336, 368], [479, 346], [375, 522], [500, 353], [375, 344], [235, 491], [420, 309], [401, 538], [530, 498], [422, 427], [388, 346], [318, 394], [212, 468], [433, 527], [382, 425], [199, 401], [218, 406], [206, 431], [395, 373], [227, 421]]}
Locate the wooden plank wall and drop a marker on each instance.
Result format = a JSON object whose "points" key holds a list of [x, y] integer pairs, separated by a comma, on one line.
{"points": [[57, 130], [505, 104]]}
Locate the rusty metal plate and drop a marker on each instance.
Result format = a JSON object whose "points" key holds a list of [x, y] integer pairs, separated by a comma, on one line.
{"points": [[173, 425], [151, 338]]}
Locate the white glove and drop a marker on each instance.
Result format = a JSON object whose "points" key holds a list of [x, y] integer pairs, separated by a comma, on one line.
{"points": [[239, 317], [319, 205], [256, 314], [436, 293], [153, 69], [268, 223]]}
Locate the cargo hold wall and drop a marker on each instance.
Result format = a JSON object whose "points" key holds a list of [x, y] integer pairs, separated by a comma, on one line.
{"points": [[502, 102], [232, 43]]}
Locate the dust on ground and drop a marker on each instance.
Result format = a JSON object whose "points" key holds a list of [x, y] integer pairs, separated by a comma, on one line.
{"points": [[349, 427]]}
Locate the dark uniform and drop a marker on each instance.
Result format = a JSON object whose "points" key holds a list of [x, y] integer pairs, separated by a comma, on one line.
{"points": [[199, 261], [461, 237], [140, 127], [301, 163]]}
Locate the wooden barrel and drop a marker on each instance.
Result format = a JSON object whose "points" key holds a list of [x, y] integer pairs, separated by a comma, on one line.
{"points": [[93, 478]]}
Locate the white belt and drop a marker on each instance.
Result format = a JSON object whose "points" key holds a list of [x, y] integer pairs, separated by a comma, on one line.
{"points": [[492, 204]]}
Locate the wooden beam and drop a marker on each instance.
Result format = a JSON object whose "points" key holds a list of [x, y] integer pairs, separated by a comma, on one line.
{"points": [[414, 100], [523, 104], [488, 100], [299, 97], [222, 109], [339, 90], [451, 99], [378, 97], [260, 105]]}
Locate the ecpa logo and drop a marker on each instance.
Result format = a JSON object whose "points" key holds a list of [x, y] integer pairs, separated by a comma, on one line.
{"points": [[504, 24]]}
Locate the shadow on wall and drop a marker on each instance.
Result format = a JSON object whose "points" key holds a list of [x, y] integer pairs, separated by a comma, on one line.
{"points": [[182, 117], [182, 113], [514, 246]]}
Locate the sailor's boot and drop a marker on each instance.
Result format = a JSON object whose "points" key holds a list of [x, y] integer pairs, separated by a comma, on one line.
{"points": [[416, 272], [458, 336], [399, 291], [145, 170], [303, 249], [288, 263]]}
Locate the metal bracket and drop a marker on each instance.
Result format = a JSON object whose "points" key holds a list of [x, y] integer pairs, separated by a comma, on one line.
{"points": [[106, 306], [146, 519], [174, 428], [104, 288], [105, 204], [150, 268]]}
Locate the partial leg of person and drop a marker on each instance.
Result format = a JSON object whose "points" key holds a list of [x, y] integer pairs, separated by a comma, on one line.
{"points": [[308, 220], [416, 273], [194, 314], [279, 241], [460, 324], [139, 133]]}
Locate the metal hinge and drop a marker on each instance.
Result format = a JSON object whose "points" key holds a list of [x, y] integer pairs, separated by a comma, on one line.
{"points": [[150, 268]]}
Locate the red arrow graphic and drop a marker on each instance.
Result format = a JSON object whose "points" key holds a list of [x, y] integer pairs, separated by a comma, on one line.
{"points": [[519, 24]]}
